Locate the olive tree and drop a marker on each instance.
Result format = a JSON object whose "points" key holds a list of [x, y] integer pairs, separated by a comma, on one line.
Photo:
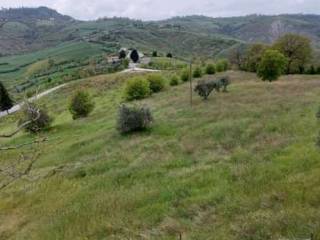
{"points": [[272, 65]]}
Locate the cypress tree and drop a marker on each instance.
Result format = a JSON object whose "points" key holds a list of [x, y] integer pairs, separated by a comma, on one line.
{"points": [[6, 102], [134, 56]]}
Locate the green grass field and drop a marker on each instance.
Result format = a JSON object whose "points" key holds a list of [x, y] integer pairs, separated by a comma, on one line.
{"points": [[242, 165]]}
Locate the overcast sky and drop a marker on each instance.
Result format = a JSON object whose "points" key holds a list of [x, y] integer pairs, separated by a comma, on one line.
{"points": [[160, 9]]}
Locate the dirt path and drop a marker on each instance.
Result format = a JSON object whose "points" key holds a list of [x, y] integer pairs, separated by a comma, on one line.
{"points": [[17, 107], [132, 69]]}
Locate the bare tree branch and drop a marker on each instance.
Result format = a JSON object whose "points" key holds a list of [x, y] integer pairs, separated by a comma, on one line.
{"points": [[23, 125]]}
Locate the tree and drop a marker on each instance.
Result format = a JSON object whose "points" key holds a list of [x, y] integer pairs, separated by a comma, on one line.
{"points": [[122, 54], [169, 55], [272, 65], [154, 54], [134, 56], [6, 102], [253, 56], [237, 56], [197, 73], [81, 105], [210, 69], [297, 49]]}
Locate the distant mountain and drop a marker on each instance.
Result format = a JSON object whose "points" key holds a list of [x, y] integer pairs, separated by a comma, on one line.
{"points": [[30, 29], [253, 28]]}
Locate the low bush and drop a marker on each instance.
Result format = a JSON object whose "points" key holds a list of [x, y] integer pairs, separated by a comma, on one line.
{"points": [[197, 73], [157, 82], [210, 69], [222, 65], [185, 75], [81, 105], [137, 88], [39, 118], [174, 81], [133, 119]]}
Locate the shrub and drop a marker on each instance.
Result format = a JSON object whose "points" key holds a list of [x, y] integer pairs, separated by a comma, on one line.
{"points": [[134, 118], [272, 65], [197, 73], [169, 55], [81, 105], [185, 75], [222, 65], [154, 54], [174, 81], [137, 88], [40, 120], [122, 54], [157, 82], [210, 69]]}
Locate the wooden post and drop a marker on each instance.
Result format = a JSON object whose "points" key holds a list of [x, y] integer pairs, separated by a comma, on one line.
{"points": [[190, 79]]}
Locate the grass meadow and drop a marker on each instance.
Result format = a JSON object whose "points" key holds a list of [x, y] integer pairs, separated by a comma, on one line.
{"points": [[242, 165]]}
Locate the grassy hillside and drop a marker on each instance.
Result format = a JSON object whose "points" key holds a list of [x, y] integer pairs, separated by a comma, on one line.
{"points": [[242, 165]]}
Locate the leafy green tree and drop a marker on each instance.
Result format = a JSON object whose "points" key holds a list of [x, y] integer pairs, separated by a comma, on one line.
{"points": [[312, 70], [6, 102], [81, 104], [210, 69], [134, 56], [154, 54], [157, 82], [222, 65], [297, 49], [272, 65], [254, 56], [197, 73], [185, 75], [169, 55], [174, 81], [137, 88]]}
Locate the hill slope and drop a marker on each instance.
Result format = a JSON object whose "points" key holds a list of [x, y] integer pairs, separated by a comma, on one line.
{"points": [[32, 29], [242, 165]]}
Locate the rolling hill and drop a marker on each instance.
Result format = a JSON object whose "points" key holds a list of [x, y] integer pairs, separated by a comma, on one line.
{"points": [[29, 29]]}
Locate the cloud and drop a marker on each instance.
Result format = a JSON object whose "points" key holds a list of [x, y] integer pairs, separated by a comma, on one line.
{"points": [[160, 9]]}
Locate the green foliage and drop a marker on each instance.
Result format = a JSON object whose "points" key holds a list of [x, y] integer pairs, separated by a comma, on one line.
{"points": [[272, 65], [185, 75], [154, 54], [81, 104], [131, 119], [197, 73], [125, 63], [39, 118], [312, 70], [222, 65], [254, 56], [161, 63], [174, 81], [296, 48], [210, 69], [169, 55], [137, 88], [122, 54], [157, 82], [6, 102]]}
